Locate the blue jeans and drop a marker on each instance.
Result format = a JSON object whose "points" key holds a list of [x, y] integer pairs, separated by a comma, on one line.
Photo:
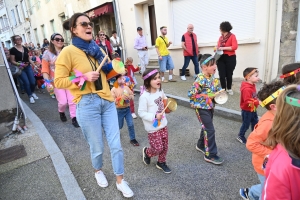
{"points": [[166, 63], [255, 191], [28, 80], [94, 113], [248, 118], [187, 60], [126, 113]]}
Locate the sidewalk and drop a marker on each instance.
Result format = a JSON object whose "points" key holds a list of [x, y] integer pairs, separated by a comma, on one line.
{"points": [[43, 173], [179, 90]]}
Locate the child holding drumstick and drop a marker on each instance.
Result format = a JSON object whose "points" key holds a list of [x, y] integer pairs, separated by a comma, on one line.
{"points": [[151, 108], [201, 97]]}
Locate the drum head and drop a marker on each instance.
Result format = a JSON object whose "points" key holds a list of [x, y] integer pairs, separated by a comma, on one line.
{"points": [[221, 98]]}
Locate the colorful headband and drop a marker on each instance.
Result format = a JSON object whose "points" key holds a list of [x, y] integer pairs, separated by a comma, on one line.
{"points": [[251, 73], [207, 60], [290, 73], [53, 35], [272, 96], [150, 74], [293, 101]]}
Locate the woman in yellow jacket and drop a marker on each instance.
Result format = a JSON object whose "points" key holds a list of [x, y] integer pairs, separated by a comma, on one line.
{"points": [[95, 105]]}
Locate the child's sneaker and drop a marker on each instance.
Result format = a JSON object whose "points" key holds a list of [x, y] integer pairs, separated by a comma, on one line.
{"points": [[101, 179], [163, 166], [146, 159], [230, 92], [125, 189], [31, 99], [241, 139], [134, 142], [133, 115], [214, 159], [244, 193], [202, 150]]}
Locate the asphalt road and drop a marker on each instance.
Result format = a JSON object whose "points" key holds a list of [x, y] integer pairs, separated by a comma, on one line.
{"points": [[191, 177]]}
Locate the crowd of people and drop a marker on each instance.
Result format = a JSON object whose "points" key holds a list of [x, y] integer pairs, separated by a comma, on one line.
{"points": [[70, 75]]}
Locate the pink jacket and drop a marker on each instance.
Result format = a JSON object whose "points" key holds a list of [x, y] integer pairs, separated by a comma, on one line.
{"points": [[282, 176]]}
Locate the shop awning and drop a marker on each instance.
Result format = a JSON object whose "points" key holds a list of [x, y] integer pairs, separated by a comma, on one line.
{"points": [[100, 10]]}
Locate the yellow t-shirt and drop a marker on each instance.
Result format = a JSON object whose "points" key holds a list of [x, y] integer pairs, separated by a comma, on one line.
{"points": [[161, 45], [71, 58]]}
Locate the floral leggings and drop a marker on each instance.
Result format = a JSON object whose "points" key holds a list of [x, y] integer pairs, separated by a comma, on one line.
{"points": [[158, 144]]}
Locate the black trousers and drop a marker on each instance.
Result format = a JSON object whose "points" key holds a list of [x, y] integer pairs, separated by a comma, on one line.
{"points": [[206, 118], [226, 65]]}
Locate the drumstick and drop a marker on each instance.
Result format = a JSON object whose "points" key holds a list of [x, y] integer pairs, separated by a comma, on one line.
{"points": [[166, 107], [102, 63], [220, 91]]}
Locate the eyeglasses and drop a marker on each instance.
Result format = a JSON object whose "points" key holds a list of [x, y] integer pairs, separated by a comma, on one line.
{"points": [[59, 39], [86, 24], [101, 34]]}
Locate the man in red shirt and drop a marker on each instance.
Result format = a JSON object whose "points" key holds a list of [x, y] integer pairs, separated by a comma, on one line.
{"points": [[190, 50]]}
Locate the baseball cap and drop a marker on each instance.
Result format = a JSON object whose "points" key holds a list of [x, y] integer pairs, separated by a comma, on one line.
{"points": [[139, 28]]}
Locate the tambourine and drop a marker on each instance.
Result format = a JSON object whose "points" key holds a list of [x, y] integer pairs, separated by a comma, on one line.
{"points": [[218, 54], [221, 97]]}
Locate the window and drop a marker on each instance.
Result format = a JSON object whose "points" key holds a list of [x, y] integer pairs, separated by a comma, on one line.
{"points": [[2, 23], [1, 4], [43, 31], [206, 19], [37, 4], [52, 25], [24, 9], [13, 17], [36, 35], [30, 10], [24, 38], [18, 14], [5, 20]]}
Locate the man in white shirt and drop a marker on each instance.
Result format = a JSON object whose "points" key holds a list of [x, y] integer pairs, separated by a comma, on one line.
{"points": [[141, 46]]}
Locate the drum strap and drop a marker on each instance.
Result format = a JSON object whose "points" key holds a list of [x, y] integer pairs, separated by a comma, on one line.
{"points": [[98, 82]]}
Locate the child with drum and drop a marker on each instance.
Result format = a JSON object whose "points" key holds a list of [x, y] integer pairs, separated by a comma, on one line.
{"points": [[248, 102], [202, 94], [130, 73], [122, 96], [151, 110]]}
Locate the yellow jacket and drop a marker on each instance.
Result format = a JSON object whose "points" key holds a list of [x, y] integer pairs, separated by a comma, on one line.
{"points": [[71, 58]]}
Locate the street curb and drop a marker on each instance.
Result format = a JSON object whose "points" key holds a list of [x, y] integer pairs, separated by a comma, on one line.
{"points": [[64, 173], [224, 112]]}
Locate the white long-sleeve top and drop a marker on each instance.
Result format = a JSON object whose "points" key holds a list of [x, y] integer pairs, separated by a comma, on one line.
{"points": [[149, 105]]}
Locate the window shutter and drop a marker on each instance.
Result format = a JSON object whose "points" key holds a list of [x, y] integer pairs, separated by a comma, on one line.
{"points": [[206, 17]]}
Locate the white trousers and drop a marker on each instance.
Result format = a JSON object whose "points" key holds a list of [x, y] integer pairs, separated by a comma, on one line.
{"points": [[144, 59]]}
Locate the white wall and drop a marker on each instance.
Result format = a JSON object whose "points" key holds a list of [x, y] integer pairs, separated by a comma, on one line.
{"points": [[251, 52]]}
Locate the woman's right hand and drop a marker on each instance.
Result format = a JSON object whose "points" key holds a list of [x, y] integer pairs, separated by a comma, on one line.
{"points": [[92, 76]]}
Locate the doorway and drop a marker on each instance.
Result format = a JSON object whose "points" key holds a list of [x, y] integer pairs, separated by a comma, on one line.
{"points": [[152, 20]]}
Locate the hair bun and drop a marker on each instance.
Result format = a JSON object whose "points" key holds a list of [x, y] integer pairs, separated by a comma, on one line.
{"points": [[66, 25]]}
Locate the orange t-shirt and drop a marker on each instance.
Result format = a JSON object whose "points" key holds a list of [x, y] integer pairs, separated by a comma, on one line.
{"points": [[256, 138]]}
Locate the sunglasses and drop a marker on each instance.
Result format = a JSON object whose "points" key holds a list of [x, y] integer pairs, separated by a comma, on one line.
{"points": [[101, 34], [59, 39], [86, 24]]}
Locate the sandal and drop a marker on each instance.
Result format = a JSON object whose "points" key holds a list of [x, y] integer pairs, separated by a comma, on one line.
{"points": [[134, 142]]}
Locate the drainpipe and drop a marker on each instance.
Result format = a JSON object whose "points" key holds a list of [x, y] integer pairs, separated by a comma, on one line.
{"points": [[119, 26], [271, 38]]}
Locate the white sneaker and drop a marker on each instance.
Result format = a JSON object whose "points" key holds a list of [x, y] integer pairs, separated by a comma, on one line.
{"points": [[101, 179], [53, 96], [31, 99], [34, 96], [230, 92], [183, 78], [133, 115], [125, 189]]}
